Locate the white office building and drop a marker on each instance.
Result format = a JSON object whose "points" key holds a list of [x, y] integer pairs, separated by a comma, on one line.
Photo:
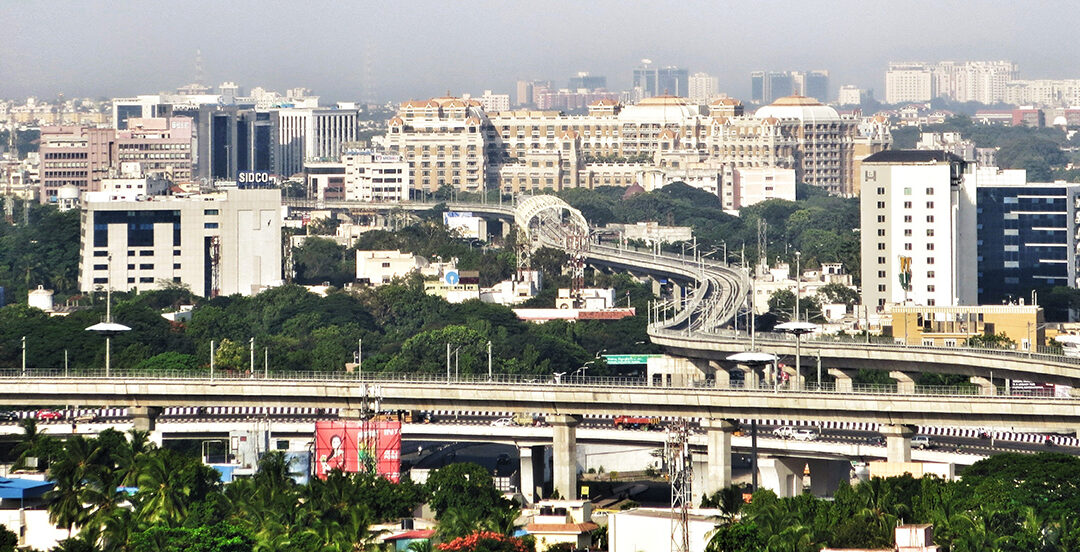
{"points": [[918, 229], [703, 87], [375, 177], [310, 133], [221, 243], [909, 82], [849, 95]]}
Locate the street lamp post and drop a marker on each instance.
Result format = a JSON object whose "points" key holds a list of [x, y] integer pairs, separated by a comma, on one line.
{"points": [[24, 356], [798, 329], [798, 282], [107, 327], [489, 359]]}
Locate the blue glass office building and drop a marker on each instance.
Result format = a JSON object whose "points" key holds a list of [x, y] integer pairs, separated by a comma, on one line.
{"points": [[1026, 239]]}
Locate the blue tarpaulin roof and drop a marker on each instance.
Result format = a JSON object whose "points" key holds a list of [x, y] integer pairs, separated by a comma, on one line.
{"points": [[23, 488]]}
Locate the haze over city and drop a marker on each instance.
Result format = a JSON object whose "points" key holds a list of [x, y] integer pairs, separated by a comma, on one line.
{"points": [[421, 49]]}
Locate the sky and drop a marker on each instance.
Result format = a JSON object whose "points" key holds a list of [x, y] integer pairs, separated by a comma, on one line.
{"points": [[419, 49]]}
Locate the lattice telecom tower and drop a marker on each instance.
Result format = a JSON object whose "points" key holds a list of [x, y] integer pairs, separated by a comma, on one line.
{"points": [[681, 471]]}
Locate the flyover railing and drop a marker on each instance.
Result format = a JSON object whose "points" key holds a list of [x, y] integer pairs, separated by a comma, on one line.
{"points": [[32, 375], [1045, 354]]}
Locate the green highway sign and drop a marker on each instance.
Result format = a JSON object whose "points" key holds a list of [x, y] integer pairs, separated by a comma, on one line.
{"points": [[629, 359]]}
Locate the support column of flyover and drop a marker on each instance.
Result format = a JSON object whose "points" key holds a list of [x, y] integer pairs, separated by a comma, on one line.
{"points": [[897, 442], [564, 454], [718, 444]]}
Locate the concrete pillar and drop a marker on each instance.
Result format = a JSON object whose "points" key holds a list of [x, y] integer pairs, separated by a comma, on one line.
{"points": [[826, 475], [985, 387], [843, 379], [564, 453], [905, 384], [144, 418], [531, 472], [751, 376], [698, 484], [721, 375], [897, 442], [718, 444], [656, 287], [782, 476], [795, 379], [677, 294]]}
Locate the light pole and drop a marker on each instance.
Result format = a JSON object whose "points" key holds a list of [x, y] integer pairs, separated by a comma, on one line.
{"points": [[211, 360], [107, 327], [251, 348], [798, 282], [360, 359], [24, 356], [798, 329], [489, 359]]}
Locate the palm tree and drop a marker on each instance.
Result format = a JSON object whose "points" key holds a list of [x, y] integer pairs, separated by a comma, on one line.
{"points": [[34, 444], [456, 522], [71, 475], [162, 493], [421, 545], [129, 456]]}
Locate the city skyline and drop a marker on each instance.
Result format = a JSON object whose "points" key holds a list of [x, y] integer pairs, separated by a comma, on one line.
{"points": [[434, 50]]}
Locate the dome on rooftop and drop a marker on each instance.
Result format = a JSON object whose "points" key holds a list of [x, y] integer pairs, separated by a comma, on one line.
{"points": [[798, 107]]}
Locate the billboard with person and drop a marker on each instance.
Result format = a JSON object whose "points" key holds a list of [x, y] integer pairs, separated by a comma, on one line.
{"points": [[358, 445]]}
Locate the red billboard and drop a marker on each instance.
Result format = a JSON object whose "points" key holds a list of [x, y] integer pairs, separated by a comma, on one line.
{"points": [[361, 445]]}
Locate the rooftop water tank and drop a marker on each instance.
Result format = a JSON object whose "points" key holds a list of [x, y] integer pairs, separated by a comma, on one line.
{"points": [[41, 298]]}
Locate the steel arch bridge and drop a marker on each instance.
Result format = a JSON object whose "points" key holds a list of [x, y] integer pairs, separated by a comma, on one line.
{"points": [[718, 290]]}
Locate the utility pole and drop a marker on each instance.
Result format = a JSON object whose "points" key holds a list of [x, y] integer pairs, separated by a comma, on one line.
{"points": [[251, 347], [489, 359], [681, 473], [24, 356], [360, 359], [211, 360]]}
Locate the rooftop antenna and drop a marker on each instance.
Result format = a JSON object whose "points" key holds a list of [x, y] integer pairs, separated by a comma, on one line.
{"points": [[200, 75]]}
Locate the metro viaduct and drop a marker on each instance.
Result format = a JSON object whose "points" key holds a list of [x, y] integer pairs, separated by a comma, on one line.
{"points": [[564, 406]]}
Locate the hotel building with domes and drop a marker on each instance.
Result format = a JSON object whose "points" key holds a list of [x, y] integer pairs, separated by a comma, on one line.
{"points": [[449, 141]]}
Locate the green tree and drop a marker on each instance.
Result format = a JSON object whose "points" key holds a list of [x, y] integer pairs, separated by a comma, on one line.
{"points": [[991, 341], [217, 538], [8, 539], [838, 293], [170, 360], [465, 487], [736, 537]]}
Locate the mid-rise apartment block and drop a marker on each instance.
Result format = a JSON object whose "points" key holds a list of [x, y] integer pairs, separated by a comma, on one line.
{"points": [[703, 87], [970, 81], [918, 228], [375, 177], [74, 156], [221, 243], [442, 140]]}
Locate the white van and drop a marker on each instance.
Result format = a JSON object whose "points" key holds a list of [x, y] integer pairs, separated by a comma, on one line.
{"points": [[805, 434]]}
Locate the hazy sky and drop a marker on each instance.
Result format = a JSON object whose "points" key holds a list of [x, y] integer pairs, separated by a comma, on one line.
{"points": [[420, 49]]}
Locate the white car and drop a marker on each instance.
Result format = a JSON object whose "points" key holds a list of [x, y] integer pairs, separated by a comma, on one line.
{"points": [[805, 434], [784, 432], [921, 442], [503, 422]]}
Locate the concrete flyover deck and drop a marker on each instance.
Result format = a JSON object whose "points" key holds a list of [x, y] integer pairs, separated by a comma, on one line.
{"points": [[856, 355], [587, 397]]}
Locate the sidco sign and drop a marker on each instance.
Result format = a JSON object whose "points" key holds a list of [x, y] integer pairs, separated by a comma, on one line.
{"points": [[623, 360], [255, 179]]}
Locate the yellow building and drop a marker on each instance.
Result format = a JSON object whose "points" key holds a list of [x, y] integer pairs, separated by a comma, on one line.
{"points": [[950, 326]]}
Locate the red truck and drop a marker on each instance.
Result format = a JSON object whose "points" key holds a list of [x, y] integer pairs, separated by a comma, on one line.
{"points": [[636, 422]]}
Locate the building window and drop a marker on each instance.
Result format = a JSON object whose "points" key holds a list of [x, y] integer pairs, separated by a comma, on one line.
{"points": [[907, 191], [386, 265], [930, 288], [176, 252], [881, 288], [907, 218], [881, 191], [929, 247], [930, 302], [131, 267], [881, 218], [881, 274], [146, 280], [881, 232], [881, 260], [101, 280], [907, 247], [147, 253], [146, 267], [881, 205], [131, 253], [176, 279], [930, 232], [101, 267], [929, 204], [101, 253], [929, 273], [929, 260], [210, 212], [907, 205], [929, 191], [210, 225], [176, 266], [881, 246], [131, 280], [907, 231]]}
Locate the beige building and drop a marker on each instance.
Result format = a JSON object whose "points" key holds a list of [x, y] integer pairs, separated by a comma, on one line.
{"points": [[562, 521], [375, 177], [222, 243], [950, 326], [449, 141]]}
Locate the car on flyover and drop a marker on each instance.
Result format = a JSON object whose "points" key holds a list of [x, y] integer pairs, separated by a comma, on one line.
{"points": [[921, 442], [805, 434], [503, 422], [784, 432], [8, 416], [49, 415]]}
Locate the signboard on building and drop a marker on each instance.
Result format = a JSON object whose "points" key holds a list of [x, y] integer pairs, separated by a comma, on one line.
{"points": [[622, 360], [255, 179], [355, 446], [464, 224]]}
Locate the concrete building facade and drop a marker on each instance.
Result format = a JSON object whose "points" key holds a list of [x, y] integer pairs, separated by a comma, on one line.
{"points": [[221, 243], [918, 226], [74, 156]]}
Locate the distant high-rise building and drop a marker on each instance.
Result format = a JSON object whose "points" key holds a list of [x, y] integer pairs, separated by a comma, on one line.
{"points": [[587, 81], [492, 102], [849, 95], [528, 89], [969, 81], [768, 86], [813, 84], [703, 87], [779, 85], [654, 81], [757, 86], [74, 156]]}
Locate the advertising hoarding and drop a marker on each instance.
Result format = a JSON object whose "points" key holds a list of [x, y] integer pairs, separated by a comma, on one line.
{"points": [[358, 445]]}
